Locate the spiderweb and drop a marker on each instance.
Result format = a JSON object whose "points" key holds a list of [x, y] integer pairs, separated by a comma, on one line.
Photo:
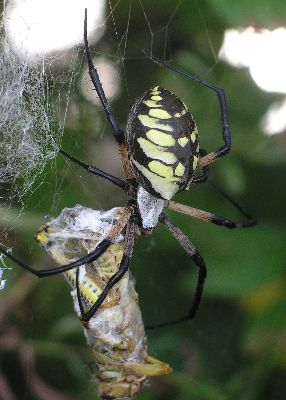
{"points": [[32, 115], [28, 137], [39, 104], [38, 100], [36, 96]]}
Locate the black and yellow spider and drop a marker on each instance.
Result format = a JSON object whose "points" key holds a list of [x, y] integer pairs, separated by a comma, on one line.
{"points": [[160, 156]]}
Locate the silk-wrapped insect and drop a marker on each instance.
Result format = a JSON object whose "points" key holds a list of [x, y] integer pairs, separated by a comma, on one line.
{"points": [[115, 333]]}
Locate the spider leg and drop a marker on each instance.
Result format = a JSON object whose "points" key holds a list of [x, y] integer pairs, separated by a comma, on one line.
{"points": [[118, 132], [231, 200], [124, 185], [199, 262], [92, 256], [209, 217], [41, 273], [221, 151], [124, 265], [205, 173]]}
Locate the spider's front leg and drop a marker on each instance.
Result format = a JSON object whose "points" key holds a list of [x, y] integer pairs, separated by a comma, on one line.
{"points": [[221, 151], [123, 267], [205, 171], [92, 256], [124, 185], [118, 132], [199, 262], [42, 273]]}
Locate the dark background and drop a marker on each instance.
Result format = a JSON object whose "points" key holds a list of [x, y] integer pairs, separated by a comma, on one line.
{"points": [[235, 349]]}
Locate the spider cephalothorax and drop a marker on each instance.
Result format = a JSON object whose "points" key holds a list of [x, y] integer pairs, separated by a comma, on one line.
{"points": [[160, 156]]}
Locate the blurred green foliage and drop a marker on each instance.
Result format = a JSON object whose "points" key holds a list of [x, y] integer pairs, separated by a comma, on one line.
{"points": [[235, 349]]}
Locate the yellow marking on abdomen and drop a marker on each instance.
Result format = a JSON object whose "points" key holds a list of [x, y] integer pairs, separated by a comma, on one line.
{"points": [[180, 170], [166, 187], [161, 138], [183, 141], [156, 152], [161, 169], [194, 136], [151, 103], [150, 122], [181, 113], [155, 90], [156, 98], [159, 113]]}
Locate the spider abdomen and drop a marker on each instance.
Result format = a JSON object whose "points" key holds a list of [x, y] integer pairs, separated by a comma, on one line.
{"points": [[162, 143]]}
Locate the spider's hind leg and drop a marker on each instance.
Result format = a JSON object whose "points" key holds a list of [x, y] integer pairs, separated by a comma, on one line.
{"points": [[210, 217], [199, 262]]}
